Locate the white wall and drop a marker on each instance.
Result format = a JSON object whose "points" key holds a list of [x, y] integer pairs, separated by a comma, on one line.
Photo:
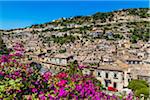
{"points": [[119, 80], [58, 61], [63, 62], [86, 71]]}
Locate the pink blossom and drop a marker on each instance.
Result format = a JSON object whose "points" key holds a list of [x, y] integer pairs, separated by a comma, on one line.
{"points": [[47, 75], [4, 58], [62, 75], [19, 91], [42, 97], [62, 92], [16, 73], [34, 90], [1, 73], [51, 97], [62, 83]]}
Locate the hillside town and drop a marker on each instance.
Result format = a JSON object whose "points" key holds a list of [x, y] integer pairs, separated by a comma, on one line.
{"points": [[105, 50]]}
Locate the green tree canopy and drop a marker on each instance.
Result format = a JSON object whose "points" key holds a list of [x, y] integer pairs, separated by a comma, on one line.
{"points": [[139, 87]]}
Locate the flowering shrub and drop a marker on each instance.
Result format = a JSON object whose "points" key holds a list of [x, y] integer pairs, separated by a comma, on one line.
{"points": [[47, 75], [19, 81], [62, 75]]}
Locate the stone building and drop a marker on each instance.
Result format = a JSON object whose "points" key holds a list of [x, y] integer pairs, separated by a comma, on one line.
{"points": [[56, 63], [61, 59], [111, 75]]}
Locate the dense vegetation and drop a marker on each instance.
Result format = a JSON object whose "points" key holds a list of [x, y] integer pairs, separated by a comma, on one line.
{"points": [[61, 39], [62, 51], [140, 34], [103, 16], [140, 87], [139, 12]]}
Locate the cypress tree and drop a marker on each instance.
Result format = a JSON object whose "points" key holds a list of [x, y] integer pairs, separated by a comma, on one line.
{"points": [[3, 48]]}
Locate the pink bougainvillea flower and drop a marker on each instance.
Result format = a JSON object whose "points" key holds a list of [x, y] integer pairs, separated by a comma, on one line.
{"points": [[37, 82], [16, 73], [62, 92], [4, 58], [18, 91], [1, 73], [81, 66], [42, 97], [47, 75], [62, 83], [62, 75], [51, 97], [34, 90], [41, 92]]}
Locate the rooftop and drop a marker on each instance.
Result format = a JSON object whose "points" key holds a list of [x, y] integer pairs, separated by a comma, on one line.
{"points": [[63, 55]]}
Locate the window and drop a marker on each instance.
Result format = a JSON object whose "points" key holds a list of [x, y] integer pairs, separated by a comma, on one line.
{"points": [[29, 58], [106, 75], [115, 75], [122, 78], [63, 70], [115, 85], [99, 74], [106, 84], [128, 80], [48, 51], [128, 62]]}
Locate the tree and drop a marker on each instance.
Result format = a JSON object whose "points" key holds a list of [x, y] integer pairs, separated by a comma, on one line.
{"points": [[35, 66], [144, 91], [62, 51], [103, 16], [139, 87], [74, 68], [3, 48], [118, 36], [1, 42], [134, 38]]}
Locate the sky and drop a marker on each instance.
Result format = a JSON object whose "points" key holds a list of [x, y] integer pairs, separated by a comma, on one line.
{"points": [[19, 14]]}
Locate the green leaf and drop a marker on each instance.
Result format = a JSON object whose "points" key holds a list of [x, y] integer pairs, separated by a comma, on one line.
{"points": [[2, 88]]}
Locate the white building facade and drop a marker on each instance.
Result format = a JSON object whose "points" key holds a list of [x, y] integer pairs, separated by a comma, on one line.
{"points": [[117, 79]]}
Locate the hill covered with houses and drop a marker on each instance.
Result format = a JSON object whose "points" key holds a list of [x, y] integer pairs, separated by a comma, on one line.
{"points": [[113, 47]]}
